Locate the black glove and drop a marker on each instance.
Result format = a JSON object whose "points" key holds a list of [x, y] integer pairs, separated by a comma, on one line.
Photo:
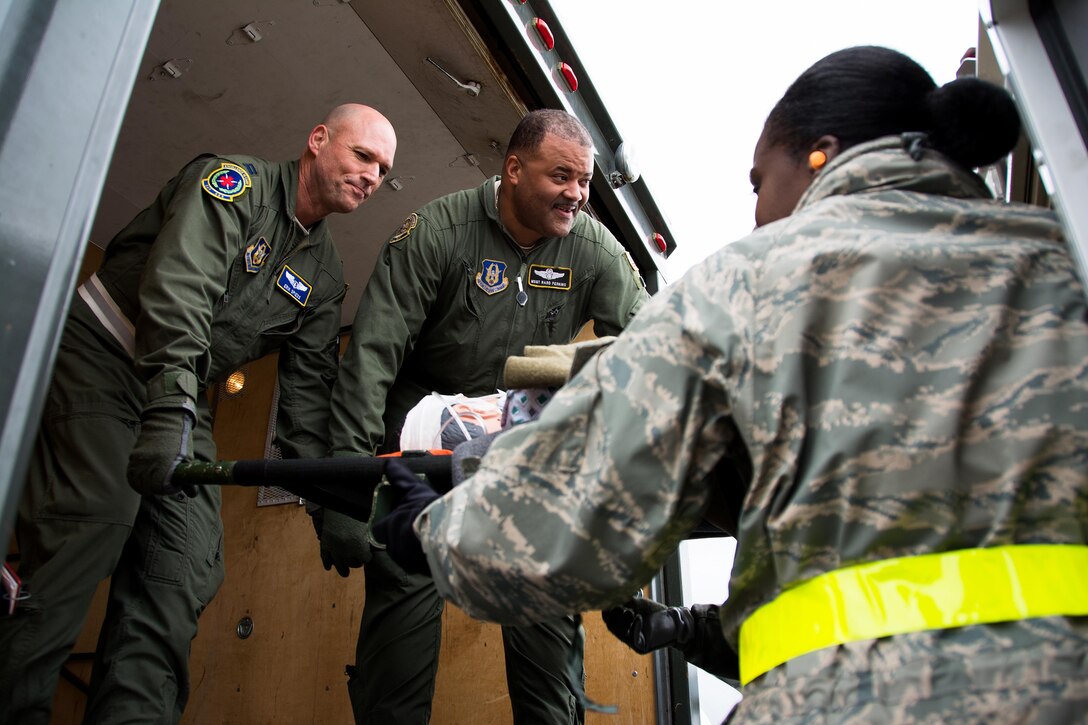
{"points": [[394, 530], [343, 541], [165, 440], [645, 625]]}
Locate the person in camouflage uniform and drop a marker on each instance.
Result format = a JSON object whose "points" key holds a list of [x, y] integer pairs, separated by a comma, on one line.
{"points": [[895, 369], [232, 261]]}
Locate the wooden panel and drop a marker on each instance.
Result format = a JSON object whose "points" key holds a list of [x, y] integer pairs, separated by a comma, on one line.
{"points": [[291, 668], [92, 258], [305, 620], [616, 675], [471, 684]]}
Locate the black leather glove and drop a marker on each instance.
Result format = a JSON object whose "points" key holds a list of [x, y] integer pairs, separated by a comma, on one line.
{"points": [[645, 625], [165, 440], [343, 542], [394, 530]]}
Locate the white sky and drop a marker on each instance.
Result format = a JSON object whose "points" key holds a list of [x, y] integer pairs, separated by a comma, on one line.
{"points": [[689, 83]]}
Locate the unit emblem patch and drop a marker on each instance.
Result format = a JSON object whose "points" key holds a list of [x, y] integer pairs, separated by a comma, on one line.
{"points": [[294, 286], [256, 254], [405, 228], [228, 182], [550, 277], [493, 278]]}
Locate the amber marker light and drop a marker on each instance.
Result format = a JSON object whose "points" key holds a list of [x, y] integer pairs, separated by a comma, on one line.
{"points": [[235, 383]]}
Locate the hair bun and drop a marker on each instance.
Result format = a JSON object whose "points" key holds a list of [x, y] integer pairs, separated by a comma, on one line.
{"points": [[973, 122]]}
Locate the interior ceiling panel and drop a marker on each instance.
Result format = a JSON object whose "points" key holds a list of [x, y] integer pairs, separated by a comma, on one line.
{"points": [[262, 98]]}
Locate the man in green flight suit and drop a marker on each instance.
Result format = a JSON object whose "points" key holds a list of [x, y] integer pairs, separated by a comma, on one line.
{"points": [[232, 261], [467, 281]]}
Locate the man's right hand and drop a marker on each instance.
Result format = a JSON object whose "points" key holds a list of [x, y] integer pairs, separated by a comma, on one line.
{"points": [[343, 542]]}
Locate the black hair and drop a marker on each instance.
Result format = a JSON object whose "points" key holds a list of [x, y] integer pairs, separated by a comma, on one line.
{"points": [[530, 132], [862, 93]]}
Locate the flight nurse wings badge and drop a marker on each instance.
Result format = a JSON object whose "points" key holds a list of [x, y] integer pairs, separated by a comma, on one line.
{"points": [[550, 277], [294, 286]]}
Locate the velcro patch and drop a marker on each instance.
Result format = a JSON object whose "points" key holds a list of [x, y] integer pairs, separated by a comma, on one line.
{"points": [[228, 182], [492, 279], [550, 277], [256, 254], [294, 286]]}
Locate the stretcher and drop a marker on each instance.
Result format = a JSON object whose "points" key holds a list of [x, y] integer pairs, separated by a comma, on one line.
{"points": [[342, 484], [347, 484]]}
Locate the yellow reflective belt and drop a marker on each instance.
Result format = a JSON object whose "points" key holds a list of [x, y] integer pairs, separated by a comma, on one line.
{"points": [[913, 594]]}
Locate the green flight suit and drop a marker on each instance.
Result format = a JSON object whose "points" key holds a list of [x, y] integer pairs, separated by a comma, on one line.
{"points": [[897, 369], [215, 273], [441, 312]]}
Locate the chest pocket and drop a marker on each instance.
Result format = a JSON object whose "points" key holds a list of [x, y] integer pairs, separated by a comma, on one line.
{"points": [[562, 313], [256, 313], [472, 293], [292, 294]]}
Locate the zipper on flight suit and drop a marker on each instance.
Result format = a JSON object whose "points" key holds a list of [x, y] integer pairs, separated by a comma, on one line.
{"points": [[518, 307], [551, 316], [294, 247]]}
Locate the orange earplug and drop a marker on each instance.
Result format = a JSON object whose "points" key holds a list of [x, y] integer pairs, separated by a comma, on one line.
{"points": [[817, 159]]}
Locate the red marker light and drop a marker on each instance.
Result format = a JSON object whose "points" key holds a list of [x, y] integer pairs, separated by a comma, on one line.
{"points": [[545, 33], [659, 241], [568, 74]]}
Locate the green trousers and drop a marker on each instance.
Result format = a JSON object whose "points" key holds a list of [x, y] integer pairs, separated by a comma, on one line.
{"points": [[80, 522], [396, 658]]}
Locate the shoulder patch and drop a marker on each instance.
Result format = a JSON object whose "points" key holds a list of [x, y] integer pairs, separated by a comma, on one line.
{"points": [[228, 182], [634, 269], [405, 228]]}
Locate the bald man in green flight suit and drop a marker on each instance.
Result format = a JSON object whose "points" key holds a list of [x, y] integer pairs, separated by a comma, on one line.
{"points": [[232, 260]]}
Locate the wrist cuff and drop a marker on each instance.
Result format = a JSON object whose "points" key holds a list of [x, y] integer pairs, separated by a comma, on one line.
{"points": [[172, 383]]}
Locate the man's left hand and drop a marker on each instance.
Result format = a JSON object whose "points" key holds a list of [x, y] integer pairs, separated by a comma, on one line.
{"points": [[645, 625], [394, 530], [165, 441]]}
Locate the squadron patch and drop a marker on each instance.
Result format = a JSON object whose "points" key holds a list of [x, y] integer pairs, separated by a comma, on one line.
{"points": [[492, 279], [228, 182], [405, 228], [256, 254], [550, 277], [294, 286]]}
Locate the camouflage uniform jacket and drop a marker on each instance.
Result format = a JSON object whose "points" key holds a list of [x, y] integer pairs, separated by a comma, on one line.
{"points": [[214, 274], [898, 368], [441, 312]]}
